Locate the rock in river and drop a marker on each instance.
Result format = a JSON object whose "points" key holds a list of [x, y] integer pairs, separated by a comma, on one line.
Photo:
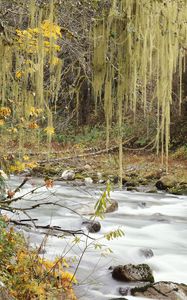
{"points": [[162, 290], [130, 272], [92, 226], [111, 206], [68, 175]]}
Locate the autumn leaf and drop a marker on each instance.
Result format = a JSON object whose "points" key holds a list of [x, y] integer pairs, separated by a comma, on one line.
{"points": [[33, 125], [10, 194], [49, 183], [49, 130], [2, 122]]}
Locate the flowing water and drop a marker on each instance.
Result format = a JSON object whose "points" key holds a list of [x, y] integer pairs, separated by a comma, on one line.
{"points": [[149, 221]]}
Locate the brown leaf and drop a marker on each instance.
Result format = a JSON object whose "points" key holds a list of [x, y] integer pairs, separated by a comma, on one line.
{"points": [[10, 194]]}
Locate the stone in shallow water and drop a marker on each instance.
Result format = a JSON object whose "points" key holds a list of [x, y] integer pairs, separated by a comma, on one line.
{"points": [[88, 180], [162, 290], [92, 226], [130, 272], [147, 253], [124, 291], [68, 175], [112, 206]]}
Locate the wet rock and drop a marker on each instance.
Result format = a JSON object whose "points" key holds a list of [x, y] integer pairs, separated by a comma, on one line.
{"points": [[142, 204], [102, 181], [141, 272], [147, 253], [131, 184], [124, 291], [166, 182], [88, 180], [92, 226], [131, 188], [112, 206], [162, 290], [68, 175], [180, 189], [151, 191], [118, 298]]}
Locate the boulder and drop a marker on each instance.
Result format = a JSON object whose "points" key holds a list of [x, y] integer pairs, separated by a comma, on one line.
{"points": [[130, 272], [88, 180], [92, 226], [68, 175], [162, 290], [111, 206], [165, 182]]}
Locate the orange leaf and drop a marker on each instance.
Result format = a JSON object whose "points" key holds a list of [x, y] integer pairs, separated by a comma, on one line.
{"points": [[10, 194], [49, 183]]}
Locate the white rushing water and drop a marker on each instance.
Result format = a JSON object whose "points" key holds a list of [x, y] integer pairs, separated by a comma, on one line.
{"points": [[149, 221]]}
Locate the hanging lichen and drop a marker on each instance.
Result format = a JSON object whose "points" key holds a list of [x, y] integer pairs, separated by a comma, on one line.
{"points": [[148, 42], [30, 72]]}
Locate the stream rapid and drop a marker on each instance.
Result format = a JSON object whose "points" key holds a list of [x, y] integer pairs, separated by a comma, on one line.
{"points": [[156, 222]]}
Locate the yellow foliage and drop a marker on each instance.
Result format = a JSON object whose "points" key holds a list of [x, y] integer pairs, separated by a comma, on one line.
{"points": [[27, 275], [2, 122], [50, 29], [25, 157], [19, 74], [34, 111], [17, 167], [49, 130], [33, 125], [5, 111], [12, 130], [28, 40]]}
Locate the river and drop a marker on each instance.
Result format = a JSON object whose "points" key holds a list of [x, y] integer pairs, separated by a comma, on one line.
{"points": [[149, 221]]}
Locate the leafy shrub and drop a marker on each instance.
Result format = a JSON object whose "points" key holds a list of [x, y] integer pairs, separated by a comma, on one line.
{"points": [[26, 274]]}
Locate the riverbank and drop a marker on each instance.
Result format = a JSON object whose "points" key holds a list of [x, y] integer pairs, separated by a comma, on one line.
{"points": [[141, 172]]}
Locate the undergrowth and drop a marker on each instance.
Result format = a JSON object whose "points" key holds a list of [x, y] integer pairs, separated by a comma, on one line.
{"points": [[26, 274]]}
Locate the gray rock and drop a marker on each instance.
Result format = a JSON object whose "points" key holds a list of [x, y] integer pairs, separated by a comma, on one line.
{"points": [[142, 204], [68, 175], [112, 206], [124, 291], [147, 253], [92, 226], [166, 182], [88, 180], [162, 290], [130, 272]]}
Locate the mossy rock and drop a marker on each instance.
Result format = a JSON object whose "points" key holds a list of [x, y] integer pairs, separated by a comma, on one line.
{"points": [[46, 170], [79, 176], [130, 272], [178, 190], [166, 182]]}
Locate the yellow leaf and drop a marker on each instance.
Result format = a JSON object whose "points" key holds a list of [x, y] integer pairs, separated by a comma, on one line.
{"points": [[33, 125], [2, 122], [19, 74], [49, 130]]}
